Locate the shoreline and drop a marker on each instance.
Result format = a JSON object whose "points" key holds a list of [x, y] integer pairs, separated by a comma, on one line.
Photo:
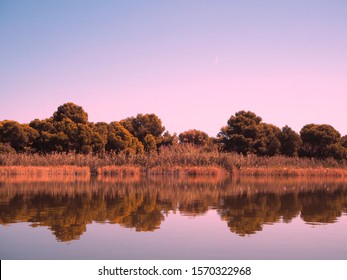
{"points": [[176, 170]]}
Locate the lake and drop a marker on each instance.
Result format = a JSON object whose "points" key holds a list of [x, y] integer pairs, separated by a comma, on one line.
{"points": [[173, 218]]}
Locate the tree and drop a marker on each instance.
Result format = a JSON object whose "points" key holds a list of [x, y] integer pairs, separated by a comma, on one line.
{"points": [[320, 141], [241, 133], [98, 141], [120, 139], [142, 125], [149, 143], [193, 136], [71, 111], [268, 143], [344, 141], [6, 149], [169, 139], [290, 142], [67, 130], [48, 140], [19, 136]]}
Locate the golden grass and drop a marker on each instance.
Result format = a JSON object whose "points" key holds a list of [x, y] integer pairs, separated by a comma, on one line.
{"points": [[117, 174], [44, 170], [293, 171], [174, 160], [66, 174], [44, 178], [187, 170], [118, 170]]}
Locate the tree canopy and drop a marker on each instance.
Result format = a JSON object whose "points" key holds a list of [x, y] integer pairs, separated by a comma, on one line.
{"points": [[68, 129], [194, 136]]}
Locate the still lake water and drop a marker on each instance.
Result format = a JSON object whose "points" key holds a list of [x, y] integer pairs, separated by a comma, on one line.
{"points": [[173, 218]]}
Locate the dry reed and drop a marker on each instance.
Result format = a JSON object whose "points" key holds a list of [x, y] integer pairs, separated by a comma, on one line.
{"points": [[215, 171], [293, 171], [118, 170], [179, 159], [44, 170]]}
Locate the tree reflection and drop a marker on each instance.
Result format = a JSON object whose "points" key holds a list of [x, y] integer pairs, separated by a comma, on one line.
{"points": [[246, 206], [322, 208]]}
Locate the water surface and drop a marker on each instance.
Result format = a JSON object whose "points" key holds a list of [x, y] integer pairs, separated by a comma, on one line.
{"points": [[173, 218]]}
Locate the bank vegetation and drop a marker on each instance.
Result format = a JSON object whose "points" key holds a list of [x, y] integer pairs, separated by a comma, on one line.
{"points": [[141, 145]]}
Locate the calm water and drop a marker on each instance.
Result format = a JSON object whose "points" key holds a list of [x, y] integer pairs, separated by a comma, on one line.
{"points": [[168, 218]]}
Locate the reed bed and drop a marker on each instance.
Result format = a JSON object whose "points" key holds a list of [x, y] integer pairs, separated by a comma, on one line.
{"points": [[44, 178], [180, 159], [44, 170], [293, 171], [118, 170], [215, 171]]}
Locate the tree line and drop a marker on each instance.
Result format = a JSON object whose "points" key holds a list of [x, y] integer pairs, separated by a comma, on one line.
{"points": [[69, 130]]}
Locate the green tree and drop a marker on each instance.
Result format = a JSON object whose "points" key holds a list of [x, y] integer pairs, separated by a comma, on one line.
{"points": [[149, 143], [49, 140], [290, 142], [68, 130], [268, 143], [242, 133], [6, 149], [98, 141], [71, 111], [19, 136], [142, 125], [320, 141], [120, 139], [344, 141], [195, 137], [169, 139]]}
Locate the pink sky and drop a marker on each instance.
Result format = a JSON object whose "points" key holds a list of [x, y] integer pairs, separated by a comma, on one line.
{"points": [[194, 64]]}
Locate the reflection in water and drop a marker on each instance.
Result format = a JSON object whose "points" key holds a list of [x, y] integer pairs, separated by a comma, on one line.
{"points": [[246, 204]]}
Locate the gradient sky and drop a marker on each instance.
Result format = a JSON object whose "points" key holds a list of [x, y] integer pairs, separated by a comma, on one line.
{"points": [[193, 63]]}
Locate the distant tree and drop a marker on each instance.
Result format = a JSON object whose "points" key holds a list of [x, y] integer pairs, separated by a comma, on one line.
{"points": [[142, 125], [102, 129], [268, 143], [120, 139], [68, 130], [19, 136], [290, 142], [6, 149], [320, 141], [195, 137], [49, 140], [149, 143], [169, 139], [71, 111], [242, 133], [344, 141], [98, 141]]}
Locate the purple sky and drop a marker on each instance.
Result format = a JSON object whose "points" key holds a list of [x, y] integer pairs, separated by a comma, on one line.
{"points": [[193, 63]]}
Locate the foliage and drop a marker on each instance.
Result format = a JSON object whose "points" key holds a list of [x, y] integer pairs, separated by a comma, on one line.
{"points": [[194, 136], [290, 142], [169, 139], [18, 136], [70, 111], [321, 141], [120, 139], [344, 141], [69, 131], [143, 125], [245, 133]]}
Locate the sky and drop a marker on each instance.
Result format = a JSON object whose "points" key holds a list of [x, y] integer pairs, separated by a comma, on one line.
{"points": [[194, 63]]}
